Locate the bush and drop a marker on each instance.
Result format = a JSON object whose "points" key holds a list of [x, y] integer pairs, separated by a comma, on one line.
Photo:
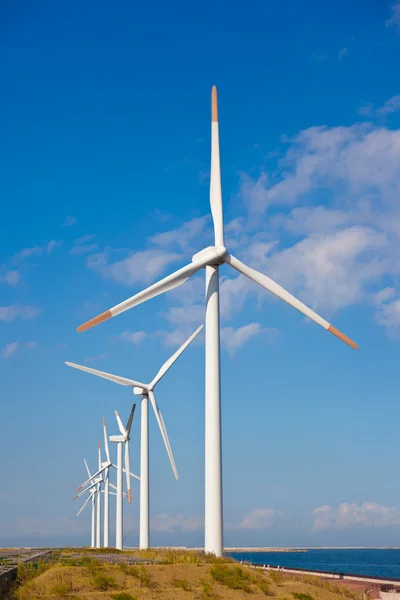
{"points": [[233, 577], [143, 575], [299, 596], [103, 582], [122, 596], [182, 583], [207, 590], [61, 590], [264, 587], [276, 576]]}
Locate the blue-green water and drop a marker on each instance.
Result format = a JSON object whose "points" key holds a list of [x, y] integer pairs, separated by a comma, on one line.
{"points": [[370, 562]]}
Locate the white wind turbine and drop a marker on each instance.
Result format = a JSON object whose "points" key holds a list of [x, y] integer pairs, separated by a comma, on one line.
{"points": [[146, 391], [211, 259], [97, 479], [120, 440], [94, 497]]}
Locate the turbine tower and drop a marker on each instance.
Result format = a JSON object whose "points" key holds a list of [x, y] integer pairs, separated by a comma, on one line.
{"points": [[146, 391], [211, 258]]}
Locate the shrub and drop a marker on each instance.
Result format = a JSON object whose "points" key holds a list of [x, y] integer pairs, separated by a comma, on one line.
{"points": [[233, 577], [207, 590], [61, 590], [182, 583], [299, 596], [276, 576], [103, 582], [143, 575], [122, 596], [264, 587]]}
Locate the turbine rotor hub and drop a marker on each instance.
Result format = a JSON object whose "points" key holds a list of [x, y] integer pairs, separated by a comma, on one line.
{"points": [[216, 254]]}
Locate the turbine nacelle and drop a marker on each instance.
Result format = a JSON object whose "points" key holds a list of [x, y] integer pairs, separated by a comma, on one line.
{"points": [[138, 391], [212, 255]]}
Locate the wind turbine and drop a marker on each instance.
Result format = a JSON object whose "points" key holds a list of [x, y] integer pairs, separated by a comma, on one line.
{"points": [[92, 496], [122, 439], [97, 479], [211, 259], [146, 391]]}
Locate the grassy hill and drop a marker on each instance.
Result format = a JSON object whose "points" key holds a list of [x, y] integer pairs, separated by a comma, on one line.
{"points": [[175, 576]]}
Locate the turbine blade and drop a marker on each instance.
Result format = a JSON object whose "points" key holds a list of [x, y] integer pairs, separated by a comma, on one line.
{"points": [[106, 447], [129, 423], [215, 175], [87, 468], [128, 471], [99, 454], [124, 470], [163, 430], [168, 364], [90, 479], [281, 293], [166, 284], [85, 491], [115, 378], [85, 503], [120, 425]]}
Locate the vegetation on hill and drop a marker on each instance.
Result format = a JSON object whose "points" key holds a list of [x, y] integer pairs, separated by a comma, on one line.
{"points": [[177, 575]]}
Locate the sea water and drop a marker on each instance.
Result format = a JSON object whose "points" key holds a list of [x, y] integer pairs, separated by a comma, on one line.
{"points": [[370, 562]]}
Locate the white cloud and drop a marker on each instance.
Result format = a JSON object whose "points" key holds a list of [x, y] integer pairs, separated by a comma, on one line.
{"points": [[260, 518], [12, 312], [68, 221], [37, 250], [9, 350], [48, 526], [139, 267], [343, 53], [183, 237], [392, 105], [9, 276], [81, 245], [135, 337], [234, 339], [395, 18], [367, 514], [174, 523], [94, 359]]}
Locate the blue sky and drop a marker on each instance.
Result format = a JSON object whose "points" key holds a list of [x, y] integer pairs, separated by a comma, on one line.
{"points": [[104, 153]]}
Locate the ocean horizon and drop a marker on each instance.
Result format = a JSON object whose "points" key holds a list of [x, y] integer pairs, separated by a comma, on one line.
{"points": [[367, 561]]}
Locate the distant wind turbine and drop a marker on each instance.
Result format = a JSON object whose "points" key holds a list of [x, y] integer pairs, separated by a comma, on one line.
{"points": [[146, 391], [211, 259]]}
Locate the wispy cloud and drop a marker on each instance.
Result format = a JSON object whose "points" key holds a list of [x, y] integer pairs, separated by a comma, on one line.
{"points": [[381, 112], [82, 246], [395, 16], [260, 518], [14, 311], [9, 276], [138, 267], [174, 523], [234, 339], [68, 221], [343, 52], [37, 250], [11, 349], [367, 514], [135, 337], [94, 359]]}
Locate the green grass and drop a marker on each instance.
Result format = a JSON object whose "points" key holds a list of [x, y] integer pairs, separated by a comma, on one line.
{"points": [[123, 596]]}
